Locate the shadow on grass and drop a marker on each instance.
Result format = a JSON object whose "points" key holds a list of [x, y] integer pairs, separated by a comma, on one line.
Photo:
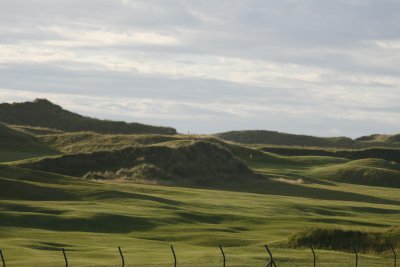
{"points": [[28, 208], [114, 194], [98, 223], [298, 190], [20, 190]]}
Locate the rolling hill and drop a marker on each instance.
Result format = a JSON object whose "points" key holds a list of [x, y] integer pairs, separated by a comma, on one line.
{"points": [[90, 189], [380, 138], [186, 163], [390, 154], [375, 172], [43, 113], [16, 145], [284, 139]]}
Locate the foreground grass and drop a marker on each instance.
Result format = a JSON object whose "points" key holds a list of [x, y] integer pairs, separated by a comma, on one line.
{"points": [[92, 219]]}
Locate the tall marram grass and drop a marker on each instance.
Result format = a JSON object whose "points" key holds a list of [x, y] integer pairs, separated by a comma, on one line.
{"points": [[346, 240]]}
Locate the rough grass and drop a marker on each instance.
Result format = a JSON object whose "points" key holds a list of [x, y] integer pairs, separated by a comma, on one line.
{"points": [[191, 162], [91, 142], [347, 240]]}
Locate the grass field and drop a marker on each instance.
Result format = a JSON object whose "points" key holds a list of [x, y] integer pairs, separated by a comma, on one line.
{"points": [[146, 192], [92, 219]]}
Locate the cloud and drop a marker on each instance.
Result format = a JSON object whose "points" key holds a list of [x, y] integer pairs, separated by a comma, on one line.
{"points": [[300, 66]]}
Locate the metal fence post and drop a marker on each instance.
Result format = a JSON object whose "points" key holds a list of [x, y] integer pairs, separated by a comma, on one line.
{"points": [[173, 253], [271, 261], [223, 253], [122, 256], [2, 258], [394, 254], [355, 252], [65, 257], [313, 252]]}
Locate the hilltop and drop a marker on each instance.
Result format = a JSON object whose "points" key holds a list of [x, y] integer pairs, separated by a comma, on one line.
{"points": [[285, 139], [16, 145], [380, 138], [278, 138], [45, 114]]}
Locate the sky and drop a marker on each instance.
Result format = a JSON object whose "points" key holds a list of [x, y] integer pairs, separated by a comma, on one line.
{"points": [[318, 67]]}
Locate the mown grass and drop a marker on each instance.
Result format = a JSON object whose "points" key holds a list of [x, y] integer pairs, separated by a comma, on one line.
{"points": [[91, 219]]}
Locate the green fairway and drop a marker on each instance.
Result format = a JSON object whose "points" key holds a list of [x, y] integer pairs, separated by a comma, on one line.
{"points": [[92, 219]]}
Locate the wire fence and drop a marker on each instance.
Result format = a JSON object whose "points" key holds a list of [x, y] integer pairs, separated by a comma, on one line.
{"points": [[270, 262]]}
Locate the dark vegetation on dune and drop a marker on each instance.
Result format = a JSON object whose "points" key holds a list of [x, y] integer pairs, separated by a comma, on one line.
{"points": [[284, 139], [345, 240], [43, 113], [194, 162]]}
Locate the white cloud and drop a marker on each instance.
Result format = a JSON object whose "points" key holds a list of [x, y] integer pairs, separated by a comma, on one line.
{"points": [[241, 62]]}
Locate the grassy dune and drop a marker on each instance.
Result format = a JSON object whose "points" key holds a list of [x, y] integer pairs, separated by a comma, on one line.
{"points": [[284, 139], [16, 145], [390, 154], [91, 142], [365, 171]]}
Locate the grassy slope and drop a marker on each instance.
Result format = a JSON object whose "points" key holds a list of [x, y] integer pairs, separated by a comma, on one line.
{"points": [[317, 159], [91, 142], [365, 171], [380, 138], [42, 113], [16, 145], [41, 212], [36, 131], [191, 162], [92, 219], [284, 139], [390, 154]]}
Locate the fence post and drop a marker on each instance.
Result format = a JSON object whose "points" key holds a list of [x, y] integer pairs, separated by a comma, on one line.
{"points": [[122, 256], [271, 261], [223, 253], [394, 254], [355, 252], [313, 252], [173, 253], [2, 258], [65, 257]]}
